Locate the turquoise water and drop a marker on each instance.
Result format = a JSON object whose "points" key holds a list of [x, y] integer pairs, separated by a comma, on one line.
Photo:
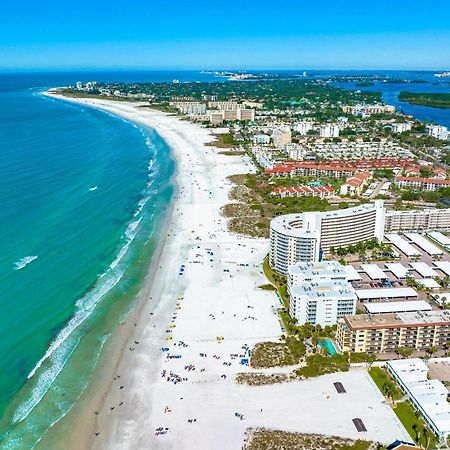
{"points": [[83, 197], [329, 346]]}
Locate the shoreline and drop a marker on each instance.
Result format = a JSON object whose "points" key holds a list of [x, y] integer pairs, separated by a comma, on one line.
{"points": [[94, 396], [205, 307]]}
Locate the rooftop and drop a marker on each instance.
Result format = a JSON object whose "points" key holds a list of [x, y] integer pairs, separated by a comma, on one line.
{"points": [[394, 320], [393, 307]]}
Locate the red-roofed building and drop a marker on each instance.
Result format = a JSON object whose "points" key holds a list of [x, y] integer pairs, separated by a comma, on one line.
{"points": [[304, 191], [414, 171], [355, 184], [334, 168], [421, 184]]}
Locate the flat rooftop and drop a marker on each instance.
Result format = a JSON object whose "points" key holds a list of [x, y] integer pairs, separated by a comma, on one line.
{"points": [[424, 244], [424, 269], [402, 245], [394, 320], [324, 289], [398, 269], [326, 269], [372, 294], [351, 273], [393, 307], [439, 238], [374, 272], [444, 266]]}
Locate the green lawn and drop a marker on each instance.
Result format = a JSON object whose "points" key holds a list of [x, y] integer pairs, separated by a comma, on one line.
{"points": [[404, 410]]}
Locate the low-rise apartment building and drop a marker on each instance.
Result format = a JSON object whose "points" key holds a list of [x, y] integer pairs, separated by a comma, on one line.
{"points": [[304, 191], [421, 184], [386, 332], [368, 109], [356, 183]]}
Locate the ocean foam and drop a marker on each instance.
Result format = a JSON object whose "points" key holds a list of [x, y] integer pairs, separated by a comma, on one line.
{"points": [[59, 353], [21, 263]]}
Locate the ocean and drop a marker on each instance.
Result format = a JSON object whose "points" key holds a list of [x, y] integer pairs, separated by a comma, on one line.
{"points": [[83, 196]]}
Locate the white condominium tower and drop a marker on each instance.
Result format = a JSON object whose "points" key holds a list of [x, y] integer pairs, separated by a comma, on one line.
{"points": [[319, 293], [309, 236]]}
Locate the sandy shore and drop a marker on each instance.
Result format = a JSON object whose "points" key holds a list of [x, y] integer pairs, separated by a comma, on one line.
{"points": [[174, 374]]}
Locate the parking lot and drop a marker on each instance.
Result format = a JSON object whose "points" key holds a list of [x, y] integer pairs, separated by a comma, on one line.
{"points": [[384, 275]]}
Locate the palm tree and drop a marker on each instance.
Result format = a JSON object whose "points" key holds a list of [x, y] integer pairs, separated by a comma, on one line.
{"points": [[416, 431]]}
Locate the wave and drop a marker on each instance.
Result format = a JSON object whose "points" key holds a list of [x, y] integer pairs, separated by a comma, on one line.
{"points": [[141, 205], [58, 351], [21, 263]]}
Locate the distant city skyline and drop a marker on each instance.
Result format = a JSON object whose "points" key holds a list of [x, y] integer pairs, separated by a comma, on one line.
{"points": [[240, 35]]}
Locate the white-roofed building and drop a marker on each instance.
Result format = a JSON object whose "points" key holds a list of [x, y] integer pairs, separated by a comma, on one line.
{"points": [[429, 283], [424, 244], [310, 236], [394, 307], [352, 273], [424, 270], [440, 238], [319, 293], [429, 397], [399, 270], [406, 293], [374, 272], [402, 245], [444, 266]]}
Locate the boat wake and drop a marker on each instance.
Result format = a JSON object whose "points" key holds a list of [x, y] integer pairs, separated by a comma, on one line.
{"points": [[18, 265]]}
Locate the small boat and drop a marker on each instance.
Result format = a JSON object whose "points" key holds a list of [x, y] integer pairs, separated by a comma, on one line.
{"points": [[93, 188]]}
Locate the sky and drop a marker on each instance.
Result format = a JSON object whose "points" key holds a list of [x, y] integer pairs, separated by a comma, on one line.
{"points": [[245, 34]]}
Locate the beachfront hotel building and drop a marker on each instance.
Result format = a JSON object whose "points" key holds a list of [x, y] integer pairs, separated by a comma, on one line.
{"points": [[386, 332], [308, 236], [415, 220], [319, 293]]}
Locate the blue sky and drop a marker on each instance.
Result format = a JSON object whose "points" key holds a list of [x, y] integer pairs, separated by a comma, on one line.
{"points": [[166, 34]]}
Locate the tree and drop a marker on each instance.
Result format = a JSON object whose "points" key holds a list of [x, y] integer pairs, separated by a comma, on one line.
{"points": [[404, 352]]}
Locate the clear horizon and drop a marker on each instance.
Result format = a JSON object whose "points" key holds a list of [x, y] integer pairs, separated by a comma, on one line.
{"points": [[245, 36]]}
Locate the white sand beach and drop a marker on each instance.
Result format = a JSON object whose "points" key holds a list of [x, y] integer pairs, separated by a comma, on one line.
{"points": [[180, 393]]}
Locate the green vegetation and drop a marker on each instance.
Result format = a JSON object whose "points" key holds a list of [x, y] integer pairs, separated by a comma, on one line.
{"points": [[254, 205], [385, 383], [163, 107], [223, 140], [371, 248], [274, 93], [268, 287], [436, 100], [277, 354], [232, 153], [403, 409], [320, 365], [264, 439], [426, 196]]}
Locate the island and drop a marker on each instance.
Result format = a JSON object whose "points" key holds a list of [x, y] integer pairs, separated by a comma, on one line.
{"points": [[436, 100]]}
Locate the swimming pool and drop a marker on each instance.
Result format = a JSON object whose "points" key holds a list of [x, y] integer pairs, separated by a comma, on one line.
{"points": [[329, 346]]}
